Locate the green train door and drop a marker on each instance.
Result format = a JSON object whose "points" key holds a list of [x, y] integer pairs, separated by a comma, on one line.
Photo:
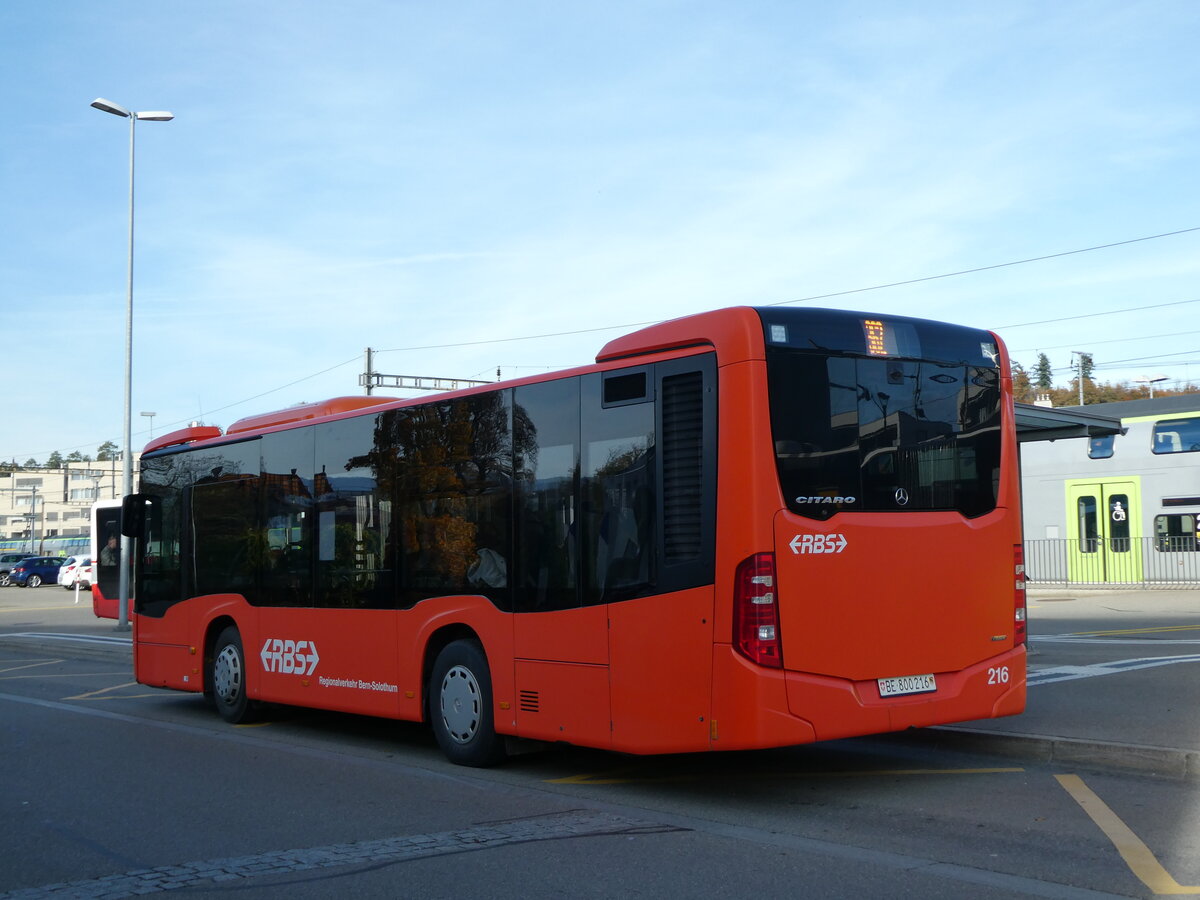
{"points": [[1105, 530]]}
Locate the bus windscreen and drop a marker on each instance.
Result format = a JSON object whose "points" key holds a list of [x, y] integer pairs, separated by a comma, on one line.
{"points": [[871, 434]]}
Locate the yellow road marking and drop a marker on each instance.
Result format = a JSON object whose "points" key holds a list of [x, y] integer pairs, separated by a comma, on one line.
{"points": [[1136, 854], [1162, 628], [616, 777], [33, 664], [91, 695]]}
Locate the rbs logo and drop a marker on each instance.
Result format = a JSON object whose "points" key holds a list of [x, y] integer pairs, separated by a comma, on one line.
{"points": [[289, 657], [818, 543]]}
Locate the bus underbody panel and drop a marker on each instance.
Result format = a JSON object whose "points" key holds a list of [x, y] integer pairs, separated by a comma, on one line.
{"points": [[562, 702], [168, 666]]}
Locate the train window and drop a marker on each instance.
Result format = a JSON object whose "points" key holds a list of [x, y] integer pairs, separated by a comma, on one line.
{"points": [[1118, 523], [1175, 533], [1089, 527], [1101, 447], [1176, 436]]}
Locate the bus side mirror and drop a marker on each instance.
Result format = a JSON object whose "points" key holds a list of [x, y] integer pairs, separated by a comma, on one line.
{"points": [[133, 514]]}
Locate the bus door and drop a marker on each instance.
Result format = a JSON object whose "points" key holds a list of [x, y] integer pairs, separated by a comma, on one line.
{"points": [[1104, 527], [560, 641], [106, 560]]}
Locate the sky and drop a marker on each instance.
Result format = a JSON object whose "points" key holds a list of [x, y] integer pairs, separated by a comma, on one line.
{"points": [[485, 186]]}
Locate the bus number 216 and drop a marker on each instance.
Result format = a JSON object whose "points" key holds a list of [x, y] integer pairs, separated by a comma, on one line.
{"points": [[998, 675]]}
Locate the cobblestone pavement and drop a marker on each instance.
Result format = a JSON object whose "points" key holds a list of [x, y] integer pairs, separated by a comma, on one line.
{"points": [[238, 870]]}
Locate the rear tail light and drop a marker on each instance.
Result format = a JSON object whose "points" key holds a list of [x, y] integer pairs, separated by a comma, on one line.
{"points": [[756, 612], [1020, 628]]}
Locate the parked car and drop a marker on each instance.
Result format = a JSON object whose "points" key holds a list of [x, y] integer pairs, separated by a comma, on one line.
{"points": [[34, 571], [75, 569], [7, 561]]}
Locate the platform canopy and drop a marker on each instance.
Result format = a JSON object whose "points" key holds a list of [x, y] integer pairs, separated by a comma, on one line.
{"points": [[1043, 423]]}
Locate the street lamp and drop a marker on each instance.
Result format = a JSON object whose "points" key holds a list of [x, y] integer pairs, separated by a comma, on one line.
{"points": [[151, 415], [127, 471], [1151, 381]]}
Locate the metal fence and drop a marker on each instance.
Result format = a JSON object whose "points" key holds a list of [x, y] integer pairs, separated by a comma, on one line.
{"points": [[1153, 562]]}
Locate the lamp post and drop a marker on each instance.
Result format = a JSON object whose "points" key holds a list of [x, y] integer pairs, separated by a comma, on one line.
{"points": [[1151, 381], [151, 415], [127, 457], [33, 499]]}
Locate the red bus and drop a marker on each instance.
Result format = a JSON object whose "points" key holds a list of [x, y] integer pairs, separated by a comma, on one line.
{"points": [[740, 529]]}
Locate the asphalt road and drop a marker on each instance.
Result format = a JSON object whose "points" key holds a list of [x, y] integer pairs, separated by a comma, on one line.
{"points": [[1114, 681], [110, 788]]}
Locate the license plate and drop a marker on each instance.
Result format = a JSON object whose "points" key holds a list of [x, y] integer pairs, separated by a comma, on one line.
{"points": [[908, 684]]}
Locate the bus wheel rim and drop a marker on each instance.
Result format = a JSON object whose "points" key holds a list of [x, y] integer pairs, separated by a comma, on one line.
{"points": [[227, 675], [460, 702]]}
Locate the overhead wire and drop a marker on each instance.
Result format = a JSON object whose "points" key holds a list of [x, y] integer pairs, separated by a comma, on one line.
{"points": [[826, 296], [1108, 312], [1015, 262], [1093, 343]]}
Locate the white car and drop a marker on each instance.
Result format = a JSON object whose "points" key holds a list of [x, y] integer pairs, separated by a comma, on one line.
{"points": [[76, 569]]}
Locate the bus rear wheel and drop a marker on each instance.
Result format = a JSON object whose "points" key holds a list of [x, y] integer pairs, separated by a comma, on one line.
{"points": [[460, 701], [225, 680]]}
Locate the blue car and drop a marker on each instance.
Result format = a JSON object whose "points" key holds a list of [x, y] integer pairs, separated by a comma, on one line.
{"points": [[35, 570]]}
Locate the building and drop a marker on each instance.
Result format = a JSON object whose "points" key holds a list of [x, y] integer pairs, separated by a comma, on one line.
{"points": [[1118, 508], [43, 509]]}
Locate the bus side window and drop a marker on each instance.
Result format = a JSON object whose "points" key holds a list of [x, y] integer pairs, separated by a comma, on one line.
{"points": [[453, 483], [228, 544], [287, 518], [618, 494], [546, 474], [354, 535]]}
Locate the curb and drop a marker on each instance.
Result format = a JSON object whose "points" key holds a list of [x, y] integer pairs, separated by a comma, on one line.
{"points": [[1141, 759]]}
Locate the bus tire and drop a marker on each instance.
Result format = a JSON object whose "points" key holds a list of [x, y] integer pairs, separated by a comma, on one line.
{"points": [[226, 679], [460, 706]]}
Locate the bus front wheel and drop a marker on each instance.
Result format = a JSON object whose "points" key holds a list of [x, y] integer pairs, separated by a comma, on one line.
{"points": [[227, 679], [460, 700]]}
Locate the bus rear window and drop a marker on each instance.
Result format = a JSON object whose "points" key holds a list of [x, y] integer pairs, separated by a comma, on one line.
{"points": [[883, 435]]}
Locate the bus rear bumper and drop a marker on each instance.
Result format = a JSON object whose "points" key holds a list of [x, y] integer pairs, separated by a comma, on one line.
{"points": [[842, 708], [755, 707]]}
